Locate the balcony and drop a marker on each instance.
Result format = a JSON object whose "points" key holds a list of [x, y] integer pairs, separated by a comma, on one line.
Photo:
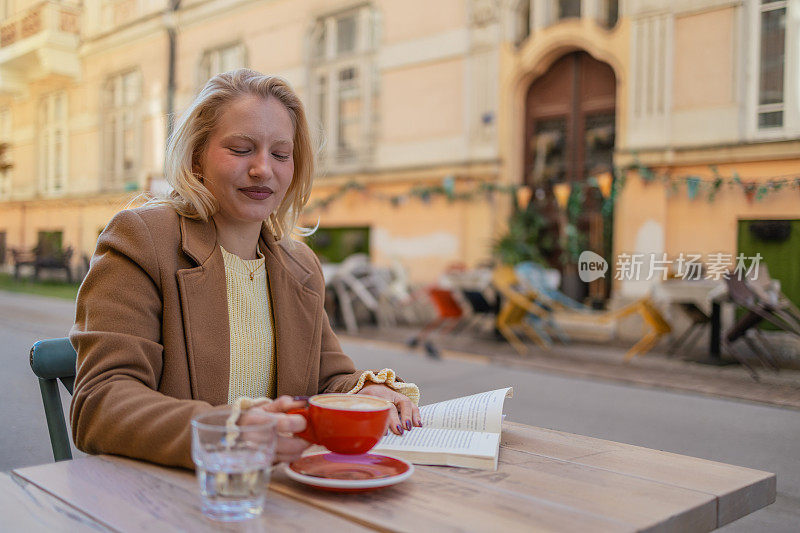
{"points": [[39, 42]]}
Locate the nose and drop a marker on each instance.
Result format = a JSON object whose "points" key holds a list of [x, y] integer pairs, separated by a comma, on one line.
{"points": [[260, 167]]}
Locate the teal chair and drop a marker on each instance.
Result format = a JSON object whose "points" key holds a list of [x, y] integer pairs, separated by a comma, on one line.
{"points": [[51, 360]]}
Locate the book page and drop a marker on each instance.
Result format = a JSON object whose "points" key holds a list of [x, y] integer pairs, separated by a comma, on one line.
{"points": [[479, 412], [441, 441]]}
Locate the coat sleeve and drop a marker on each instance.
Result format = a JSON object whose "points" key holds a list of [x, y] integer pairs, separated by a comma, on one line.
{"points": [[116, 407]]}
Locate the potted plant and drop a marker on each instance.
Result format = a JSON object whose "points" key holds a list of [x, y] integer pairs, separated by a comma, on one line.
{"points": [[573, 242], [526, 239]]}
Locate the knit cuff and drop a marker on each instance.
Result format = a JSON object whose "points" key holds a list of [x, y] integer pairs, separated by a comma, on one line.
{"points": [[387, 377]]}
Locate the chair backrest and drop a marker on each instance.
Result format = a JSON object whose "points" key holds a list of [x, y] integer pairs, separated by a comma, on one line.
{"points": [[446, 305], [532, 273], [504, 278], [479, 303], [740, 293], [52, 360]]}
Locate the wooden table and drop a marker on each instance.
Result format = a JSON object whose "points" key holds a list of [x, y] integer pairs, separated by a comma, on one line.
{"points": [[547, 481]]}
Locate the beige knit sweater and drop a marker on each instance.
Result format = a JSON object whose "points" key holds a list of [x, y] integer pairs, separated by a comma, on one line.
{"points": [[252, 371]]}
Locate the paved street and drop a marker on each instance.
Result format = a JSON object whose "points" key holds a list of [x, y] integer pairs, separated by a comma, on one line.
{"points": [[737, 432]]}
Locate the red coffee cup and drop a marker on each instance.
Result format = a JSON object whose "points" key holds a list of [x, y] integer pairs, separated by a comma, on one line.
{"points": [[345, 423]]}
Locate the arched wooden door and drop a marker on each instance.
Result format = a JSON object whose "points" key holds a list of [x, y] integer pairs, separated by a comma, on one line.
{"points": [[569, 137]]}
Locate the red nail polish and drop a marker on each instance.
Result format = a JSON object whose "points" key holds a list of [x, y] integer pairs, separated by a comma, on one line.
{"points": [[399, 429], [408, 425]]}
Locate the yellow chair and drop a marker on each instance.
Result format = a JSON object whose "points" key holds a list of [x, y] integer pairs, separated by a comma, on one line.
{"points": [[652, 317], [517, 304], [516, 307]]}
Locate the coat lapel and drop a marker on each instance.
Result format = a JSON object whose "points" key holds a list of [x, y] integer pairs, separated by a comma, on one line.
{"points": [[296, 309], [204, 303]]}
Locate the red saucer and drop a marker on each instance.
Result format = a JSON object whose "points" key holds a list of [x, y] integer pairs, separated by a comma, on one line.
{"points": [[333, 471]]}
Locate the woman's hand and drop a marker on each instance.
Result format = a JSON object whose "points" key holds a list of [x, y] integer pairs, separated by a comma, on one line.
{"points": [[403, 415], [288, 448]]}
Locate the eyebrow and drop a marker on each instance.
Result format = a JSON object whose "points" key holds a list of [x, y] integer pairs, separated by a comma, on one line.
{"points": [[253, 140]]}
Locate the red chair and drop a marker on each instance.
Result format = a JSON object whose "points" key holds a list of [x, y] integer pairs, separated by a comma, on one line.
{"points": [[449, 314]]}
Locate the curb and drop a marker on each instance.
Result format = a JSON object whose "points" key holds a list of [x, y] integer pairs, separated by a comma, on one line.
{"points": [[689, 379]]}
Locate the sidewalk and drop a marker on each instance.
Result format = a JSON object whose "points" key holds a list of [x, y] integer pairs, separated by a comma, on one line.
{"points": [[606, 361]]}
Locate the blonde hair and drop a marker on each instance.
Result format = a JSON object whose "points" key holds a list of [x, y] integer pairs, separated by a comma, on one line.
{"points": [[189, 196]]}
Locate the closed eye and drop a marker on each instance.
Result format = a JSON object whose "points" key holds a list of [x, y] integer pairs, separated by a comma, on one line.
{"points": [[281, 157], [241, 152]]}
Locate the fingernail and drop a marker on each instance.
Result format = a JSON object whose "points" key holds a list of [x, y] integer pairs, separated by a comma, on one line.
{"points": [[300, 398], [420, 423], [399, 429], [408, 425]]}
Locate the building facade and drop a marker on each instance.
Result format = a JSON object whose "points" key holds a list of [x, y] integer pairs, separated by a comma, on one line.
{"points": [[427, 115]]}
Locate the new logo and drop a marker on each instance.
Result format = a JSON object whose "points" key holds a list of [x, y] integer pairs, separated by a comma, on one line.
{"points": [[591, 266]]}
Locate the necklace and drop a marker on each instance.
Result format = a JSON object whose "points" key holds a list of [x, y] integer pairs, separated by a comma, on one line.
{"points": [[254, 271]]}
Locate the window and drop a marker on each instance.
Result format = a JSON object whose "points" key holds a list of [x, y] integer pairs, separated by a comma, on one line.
{"points": [[121, 131], [334, 245], [6, 9], [609, 13], [52, 120], [344, 85], [220, 59], [49, 243], [5, 145], [569, 9], [772, 61]]}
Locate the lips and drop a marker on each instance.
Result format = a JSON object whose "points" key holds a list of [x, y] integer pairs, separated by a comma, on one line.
{"points": [[257, 193]]}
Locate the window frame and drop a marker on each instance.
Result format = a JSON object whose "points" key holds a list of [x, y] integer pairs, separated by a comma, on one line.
{"points": [[213, 56], [115, 176], [52, 176], [325, 100], [791, 83]]}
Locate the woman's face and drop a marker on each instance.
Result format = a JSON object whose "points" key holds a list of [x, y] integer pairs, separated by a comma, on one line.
{"points": [[248, 164]]}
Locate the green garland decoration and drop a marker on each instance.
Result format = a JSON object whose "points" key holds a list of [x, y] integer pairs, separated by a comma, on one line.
{"points": [[754, 189]]}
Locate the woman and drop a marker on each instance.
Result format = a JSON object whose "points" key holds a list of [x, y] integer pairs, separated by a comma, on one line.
{"points": [[200, 298]]}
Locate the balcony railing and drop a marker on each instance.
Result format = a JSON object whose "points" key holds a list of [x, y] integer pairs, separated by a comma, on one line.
{"points": [[47, 16], [38, 42]]}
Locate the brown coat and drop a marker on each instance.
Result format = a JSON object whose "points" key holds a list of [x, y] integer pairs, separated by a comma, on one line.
{"points": [[153, 340]]}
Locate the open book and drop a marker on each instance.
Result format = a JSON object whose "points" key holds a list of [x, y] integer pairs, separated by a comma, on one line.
{"points": [[459, 432]]}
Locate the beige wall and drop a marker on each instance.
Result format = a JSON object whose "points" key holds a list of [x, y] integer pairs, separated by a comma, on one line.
{"points": [[413, 19], [704, 59], [424, 101]]}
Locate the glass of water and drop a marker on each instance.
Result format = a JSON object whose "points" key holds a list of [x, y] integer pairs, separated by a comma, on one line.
{"points": [[233, 464]]}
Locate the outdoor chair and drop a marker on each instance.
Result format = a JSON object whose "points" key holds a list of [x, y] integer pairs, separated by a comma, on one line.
{"points": [[536, 277], [527, 310], [473, 290], [760, 305], [700, 320], [768, 292], [53, 360], [481, 307], [449, 314], [523, 308], [655, 323], [351, 283]]}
